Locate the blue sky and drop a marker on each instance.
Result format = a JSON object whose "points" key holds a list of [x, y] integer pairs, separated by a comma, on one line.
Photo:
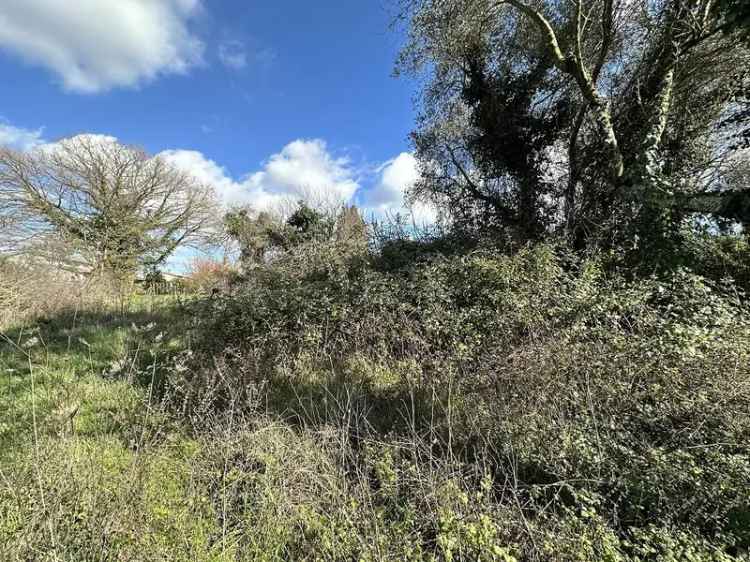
{"points": [[259, 98]]}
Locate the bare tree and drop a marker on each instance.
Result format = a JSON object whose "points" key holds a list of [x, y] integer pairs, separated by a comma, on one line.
{"points": [[92, 204]]}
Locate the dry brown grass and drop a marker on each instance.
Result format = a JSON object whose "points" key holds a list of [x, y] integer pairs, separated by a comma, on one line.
{"points": [[31, 291]]}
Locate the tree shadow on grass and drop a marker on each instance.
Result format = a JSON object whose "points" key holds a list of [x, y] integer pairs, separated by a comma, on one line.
{"points": [[53, 372], [89, 337]]}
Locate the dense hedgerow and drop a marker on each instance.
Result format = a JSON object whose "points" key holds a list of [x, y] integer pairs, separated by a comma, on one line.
{"points": [[606, 418]]}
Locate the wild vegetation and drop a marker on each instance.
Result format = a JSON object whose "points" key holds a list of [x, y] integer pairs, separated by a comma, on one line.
{"points": [[557, 369], [338, 404]]}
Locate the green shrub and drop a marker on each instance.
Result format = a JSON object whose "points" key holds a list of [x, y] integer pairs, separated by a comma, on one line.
{"points": [[614, 411]]}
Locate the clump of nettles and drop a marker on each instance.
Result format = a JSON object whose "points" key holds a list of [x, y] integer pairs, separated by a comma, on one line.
{"points": [[487, 406]]}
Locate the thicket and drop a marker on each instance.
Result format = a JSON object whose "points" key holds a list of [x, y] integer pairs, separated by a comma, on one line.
{"points": [[406, 399], [576, 413]]}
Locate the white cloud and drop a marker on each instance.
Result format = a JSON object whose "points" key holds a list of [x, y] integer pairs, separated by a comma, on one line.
{"points": [[396, 176], [95, 45], [19, 139], [303, 169], [92, 140], [232, 54], [206, 171], [388, 195]]}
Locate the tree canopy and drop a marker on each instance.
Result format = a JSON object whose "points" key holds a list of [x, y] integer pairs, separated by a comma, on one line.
{"points": [[612, 121], [93, 204], [261, 233]]}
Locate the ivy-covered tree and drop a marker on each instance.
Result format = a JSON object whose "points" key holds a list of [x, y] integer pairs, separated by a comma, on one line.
{"points": [[619, 132], [254, 233], [260, 234]]}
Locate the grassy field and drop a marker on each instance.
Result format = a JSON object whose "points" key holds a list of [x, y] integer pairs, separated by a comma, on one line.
{"points": [[93, 467]]}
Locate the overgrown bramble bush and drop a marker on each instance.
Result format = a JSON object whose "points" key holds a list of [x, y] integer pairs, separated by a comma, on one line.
{"points": [[719, 257], [616, 412]]}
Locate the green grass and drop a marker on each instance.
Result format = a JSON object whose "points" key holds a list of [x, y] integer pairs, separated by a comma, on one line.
{"points": [[54, 381], [89, 468], [93, 468]]}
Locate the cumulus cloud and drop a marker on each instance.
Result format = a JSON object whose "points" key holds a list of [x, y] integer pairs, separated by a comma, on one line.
{"points": [[396, 176], [93, 141], [388, 195], [206, 171], [93, 46], [303, 169], [18, 138]]}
